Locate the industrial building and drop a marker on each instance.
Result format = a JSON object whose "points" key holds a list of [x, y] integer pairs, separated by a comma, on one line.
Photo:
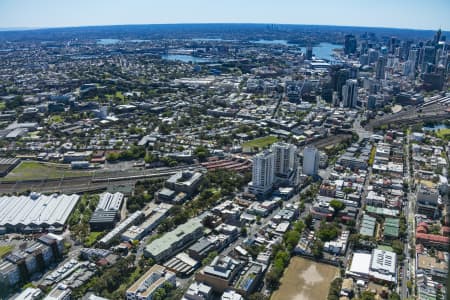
{"points": [[110, 201], [35, 212], [379, 265], [7, 164]]}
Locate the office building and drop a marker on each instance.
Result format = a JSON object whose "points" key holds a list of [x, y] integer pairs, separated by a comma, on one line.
{"points": [[311, 159], [184, 181], [175, 241], [428, 56], [380, 68], [220, 273], [372, 102], [349, 44], [103, 220], [29, 294], [309, 53], [60, 292], [262, 173], [284, 159], [198, 291], [350, 93]]}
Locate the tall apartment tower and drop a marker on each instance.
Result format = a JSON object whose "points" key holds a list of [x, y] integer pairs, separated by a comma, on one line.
{"points": [[350, 93], [284, 158], [311, 159], [262, 173]]}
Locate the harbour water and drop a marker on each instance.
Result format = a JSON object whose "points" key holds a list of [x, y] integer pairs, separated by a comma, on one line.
{"points": [[322, 51], [185, 58]]}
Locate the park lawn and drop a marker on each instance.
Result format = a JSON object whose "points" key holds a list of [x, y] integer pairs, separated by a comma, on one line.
{"points": [[372, 155], [119, 95], [33, 170], [443, 133], [5, 250], [56, 119], [260, 142], [92, 238]]}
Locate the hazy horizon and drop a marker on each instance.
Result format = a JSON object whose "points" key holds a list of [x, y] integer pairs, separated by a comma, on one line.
{"points": [[401, 14]]}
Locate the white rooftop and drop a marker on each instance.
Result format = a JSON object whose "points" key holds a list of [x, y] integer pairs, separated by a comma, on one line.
{"points": [[36, 209], [360, 263]]}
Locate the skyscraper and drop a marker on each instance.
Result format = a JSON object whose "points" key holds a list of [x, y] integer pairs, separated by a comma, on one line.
{"points": [[372, 102], [381, 64], [373, 55], [350, 93], [311, 159], [284, 158], [413, 55], [428, 56], [437, 37], [262, 173], [309, 53], [350, 44]]}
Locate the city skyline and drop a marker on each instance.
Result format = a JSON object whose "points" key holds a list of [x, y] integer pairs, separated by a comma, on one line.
{"points": [[50, 13]]}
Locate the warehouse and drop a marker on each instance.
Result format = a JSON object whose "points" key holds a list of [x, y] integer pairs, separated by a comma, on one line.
{"points": [[35, 212], [7, 164], [110, 201]]}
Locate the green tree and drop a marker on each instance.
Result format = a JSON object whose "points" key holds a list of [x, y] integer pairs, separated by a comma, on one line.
{"points": [[201, 152], [291, 239], [208, 259], [258, 296], [394, 296], [317, 249], [337, 205], [367, 295]]}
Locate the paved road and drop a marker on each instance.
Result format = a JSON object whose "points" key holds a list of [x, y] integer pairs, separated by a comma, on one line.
{"points": [[409, 209]]}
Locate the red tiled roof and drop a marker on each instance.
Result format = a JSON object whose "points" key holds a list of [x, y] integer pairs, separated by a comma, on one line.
{"points": [[445, 229], [421, 229], [433, 238]]}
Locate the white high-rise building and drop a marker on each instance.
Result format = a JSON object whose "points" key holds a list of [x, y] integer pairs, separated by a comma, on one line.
{"points": [[311, 160], [284, 159], [350, 93], [262, 173]]}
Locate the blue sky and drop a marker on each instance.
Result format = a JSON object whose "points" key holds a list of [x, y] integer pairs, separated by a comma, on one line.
{"points": [[417, 14]]}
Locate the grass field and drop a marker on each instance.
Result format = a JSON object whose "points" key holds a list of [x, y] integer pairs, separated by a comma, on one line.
{"points": [[56, 119], [260, 142], [119, 95], [92, 238], [443, 133], [305, 279], [5, 250], [32, 170]]}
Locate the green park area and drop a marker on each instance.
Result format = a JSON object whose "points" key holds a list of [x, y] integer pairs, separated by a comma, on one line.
{"points": [[33, 170], [443, 133], [4, 250], [260, 143]]}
